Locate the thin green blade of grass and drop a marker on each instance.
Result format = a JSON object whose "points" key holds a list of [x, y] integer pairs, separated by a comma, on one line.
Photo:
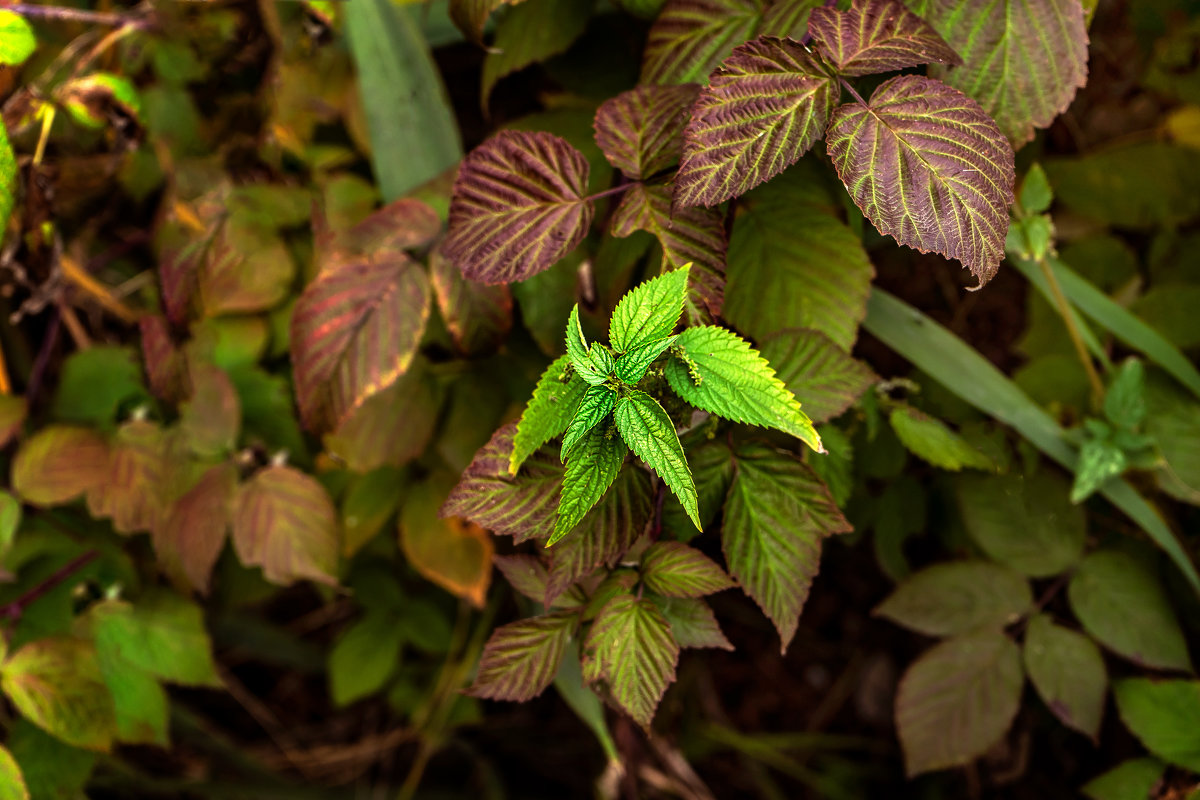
{"points": [[959, 367], [1030, 270]]}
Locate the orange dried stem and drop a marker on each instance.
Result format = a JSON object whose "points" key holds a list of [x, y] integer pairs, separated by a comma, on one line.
{"points": [[97, 290]]}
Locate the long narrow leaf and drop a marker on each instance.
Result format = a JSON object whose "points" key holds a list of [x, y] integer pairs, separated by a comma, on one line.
{"points": [[957, 366], [1031, 271]]}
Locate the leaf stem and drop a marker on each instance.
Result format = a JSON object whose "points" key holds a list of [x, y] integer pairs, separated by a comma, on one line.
{"points": [[1068, 318], [614, 190], [853, 92], [13, 610], [74, 14]]}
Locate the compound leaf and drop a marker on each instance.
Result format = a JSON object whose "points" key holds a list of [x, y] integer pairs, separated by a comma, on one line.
{"points": [[1068, 672], [596, 404], [549, 412], [518, 206], [722, 374], [672, 569], [649, 432], [776, 514], [630, 649], [765, 106], [592, 468], [877, 36], [929, 167], [521, 658], [641, 131], [959, 597]]}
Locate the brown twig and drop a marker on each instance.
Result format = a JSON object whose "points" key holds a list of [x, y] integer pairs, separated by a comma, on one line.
{"points": [[65, 14], [16, 608]]}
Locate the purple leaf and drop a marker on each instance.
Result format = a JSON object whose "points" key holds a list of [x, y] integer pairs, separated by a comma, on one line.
{"points": [[130, 494], [192, 534], [641, 131], [284, 522], [877, 36], [518, 206], [764, 108], [630, 649], [690, 37], [927, 166]]}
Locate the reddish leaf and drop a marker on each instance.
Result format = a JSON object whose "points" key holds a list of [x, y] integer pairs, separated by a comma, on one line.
{"points": [[690, 37], [824, 378], [354, 331], [521, 659], [211, 418], [687, 235], [165, 369], [453, 553], [58, 464], [12, 415], [766, 105], [181, 253], [246, 269], [478, 316], [130, 493], [405, 224], [522, 506], [672, 569], [190, 538], [526, 574], [877, 36], [518, 206], [391, 428], [641, 130], [928, 167], [284, 522]]}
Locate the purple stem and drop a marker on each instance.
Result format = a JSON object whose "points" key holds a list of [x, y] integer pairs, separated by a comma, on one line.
{"points": [[13, 610]]}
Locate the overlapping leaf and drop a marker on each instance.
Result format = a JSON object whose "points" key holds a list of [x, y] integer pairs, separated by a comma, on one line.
{"points": [[453, 553], [690, 37], [723, 375], [877, 36], [649, 432], [1162, 714], [56, 684], [192, 533], [641, 130], [518, 206], [392, 427], [929, 167], [284, 522], [672, 569], [765, 107], [649, 312], [1068, 672], [478, 316], [631, 650], [693, 623], [1023, 61], [822, 376], [631, 367], [354, 331], [521, 658], [163, 634], [58, 464], [596, 404], [592, 468], [130, 494], [549, 412], [776, 514]]}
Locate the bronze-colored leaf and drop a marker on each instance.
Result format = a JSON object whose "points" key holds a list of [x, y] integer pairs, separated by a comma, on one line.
{"points": [[284, 522]]}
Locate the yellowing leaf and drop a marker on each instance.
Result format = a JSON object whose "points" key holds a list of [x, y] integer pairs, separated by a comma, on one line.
{"points": [[58, 464], [452, 552], [56, 684]]}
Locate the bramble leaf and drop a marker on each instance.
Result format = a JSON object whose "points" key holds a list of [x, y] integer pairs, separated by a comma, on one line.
{"points": [[631, 367], [776, 514], [591, 469], [162, 633], [211, 417], [630, 649], [518, 206], [1163, 714], [1022, 62], [690, 37], [927, 166], [877, 36], [58, 464], [550, 410], [672, 569], [596, 404], [822, 376], [392, 427], [764, 107], [649, 311], [930, 440], [453, 553], [521, 658], [641, 130], [649, 432], [56, 684], [364, 657], [192, 533], [1068, 672], [478, 316], [957, 700], [1123, 604], [725, 376], [130, 493], [529, 32], [354, 330], [284, 522], [959, 597], [693, 623]]}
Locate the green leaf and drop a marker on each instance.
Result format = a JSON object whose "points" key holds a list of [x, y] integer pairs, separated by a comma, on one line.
{"points": [[1023, 62], [284, 522], [927, 166], [630, 649], [959, 597], [1163, 714], [56, 684], [1027, 524], [368, 503], [96, 383], [1132, 779], [649, 312], [789, 244], [58, 464], [532, 31], [12, 783], [711, 462], [822, 376], [584, 702], [930, 439], [8, 176], [672, 569], [595, 406], [724, 375], [650, 434], [1100, 460], [1068, 672], [211, 417], [1036, 195], [414, 137], [549, 412], [1174, 424], [10, 520], [53, 770], [957, 700], [1122, 603], [692, 622], [17, 41], [162, 633], [364, 657], [521, 658], [776, 515], [1125, 402], [763, 108], [631, 367], [85, 98], [690, 37], [592, 468], [139, 701]]}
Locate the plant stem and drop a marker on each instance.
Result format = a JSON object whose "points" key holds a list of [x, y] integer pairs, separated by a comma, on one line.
{"points": [[853, 92], [13, 610], [73, 14], [614, 190], [1068, 318]]}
